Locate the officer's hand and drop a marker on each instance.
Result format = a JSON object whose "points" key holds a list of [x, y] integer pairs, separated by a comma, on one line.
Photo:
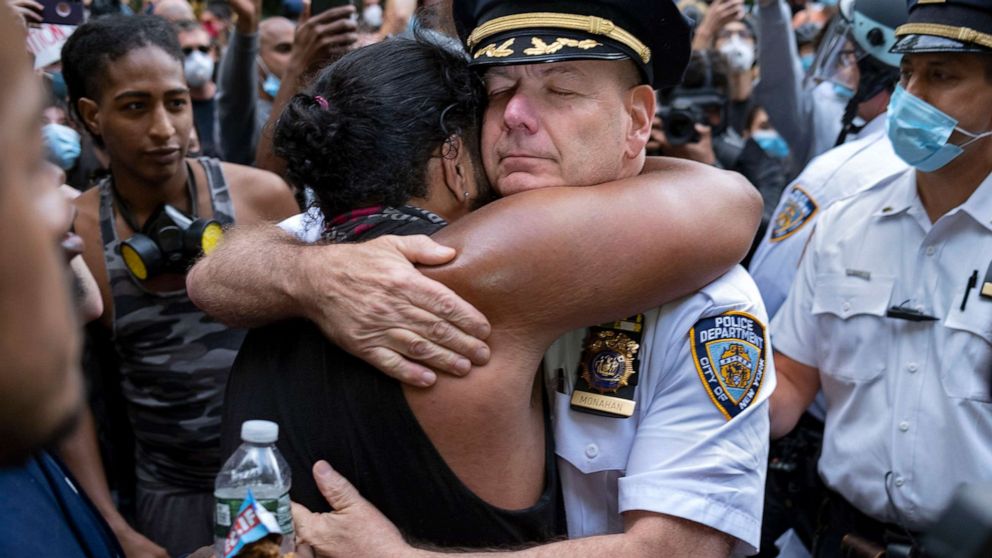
{"points": [[354, 528], [322, 38], [378, 307]]}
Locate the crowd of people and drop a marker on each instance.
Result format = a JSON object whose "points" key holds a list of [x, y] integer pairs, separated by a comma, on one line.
{"points": [[570, 277]]}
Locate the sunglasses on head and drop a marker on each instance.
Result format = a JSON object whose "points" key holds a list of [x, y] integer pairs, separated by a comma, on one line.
{"points": [[189, 50]]}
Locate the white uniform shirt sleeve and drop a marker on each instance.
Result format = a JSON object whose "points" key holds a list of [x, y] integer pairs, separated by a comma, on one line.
{"points": [[306, 227], [794, 328], [687, 459]]}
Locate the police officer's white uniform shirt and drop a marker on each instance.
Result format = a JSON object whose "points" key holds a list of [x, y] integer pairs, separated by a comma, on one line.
{"points": [[306, 226], [838, 173], [678, 454], [913, 398]]}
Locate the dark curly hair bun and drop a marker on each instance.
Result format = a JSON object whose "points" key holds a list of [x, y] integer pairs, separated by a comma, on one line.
{"points": [[390, 107]]}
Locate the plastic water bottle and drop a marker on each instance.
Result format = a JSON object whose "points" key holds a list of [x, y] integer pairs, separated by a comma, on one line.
{"points": [[258, 465]]}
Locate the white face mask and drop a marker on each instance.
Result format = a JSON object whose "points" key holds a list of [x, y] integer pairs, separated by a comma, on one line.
{"points": [[739, 54], [372, 15], [199, 69]]}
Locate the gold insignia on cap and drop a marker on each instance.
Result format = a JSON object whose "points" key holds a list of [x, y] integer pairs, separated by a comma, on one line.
{"points": [[963, 34], [493, 51], [540, 47], [540, 20]]}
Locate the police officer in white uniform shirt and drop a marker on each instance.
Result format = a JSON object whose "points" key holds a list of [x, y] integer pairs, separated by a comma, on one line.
{"points": [[687, 439], [891, 310], [660, 414], [665, 412], [867, 26]]}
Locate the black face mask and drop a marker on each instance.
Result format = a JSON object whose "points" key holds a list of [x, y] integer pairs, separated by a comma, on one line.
{"points": [[170, 241]]}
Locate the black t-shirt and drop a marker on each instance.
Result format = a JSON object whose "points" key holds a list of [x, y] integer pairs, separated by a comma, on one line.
{"points": [[331, 405]]}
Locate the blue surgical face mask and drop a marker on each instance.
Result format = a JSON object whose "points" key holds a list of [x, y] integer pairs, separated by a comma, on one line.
{"points": [[772, 143], [272, 82], [271, 85], [807, 61], [843, 91], [920, 131], [62, 143]]}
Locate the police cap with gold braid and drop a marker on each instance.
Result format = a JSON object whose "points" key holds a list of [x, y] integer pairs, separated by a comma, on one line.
{"points": [[946, 26], [651, 33]]}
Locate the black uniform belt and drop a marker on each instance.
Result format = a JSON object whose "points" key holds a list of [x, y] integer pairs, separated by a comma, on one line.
{"points": [[847, 532]]}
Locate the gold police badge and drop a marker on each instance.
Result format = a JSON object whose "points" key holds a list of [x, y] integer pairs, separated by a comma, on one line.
{"points": [[608, 362]]}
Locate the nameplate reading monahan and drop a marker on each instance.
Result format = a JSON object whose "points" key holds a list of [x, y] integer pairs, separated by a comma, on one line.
{"points": [[603, 403]]}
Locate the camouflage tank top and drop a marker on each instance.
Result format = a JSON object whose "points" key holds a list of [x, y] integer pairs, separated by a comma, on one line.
{"points": [[174, 360]]}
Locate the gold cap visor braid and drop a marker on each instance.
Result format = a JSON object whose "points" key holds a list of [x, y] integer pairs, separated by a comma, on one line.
{"points": [[538, 20], [962, 34]]}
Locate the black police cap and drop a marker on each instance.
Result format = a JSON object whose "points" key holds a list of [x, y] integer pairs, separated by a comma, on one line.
{"points": [[651, 33], [946, 26]]}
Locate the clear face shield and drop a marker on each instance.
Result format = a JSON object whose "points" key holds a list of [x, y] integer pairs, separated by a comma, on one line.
{"points": [[837, 58]]}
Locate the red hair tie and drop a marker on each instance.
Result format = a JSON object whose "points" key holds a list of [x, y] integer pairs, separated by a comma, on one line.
{"points": [[321, 101]]}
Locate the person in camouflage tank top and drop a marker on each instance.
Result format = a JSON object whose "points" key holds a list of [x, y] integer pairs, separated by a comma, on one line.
{"points": [[126, 85]]}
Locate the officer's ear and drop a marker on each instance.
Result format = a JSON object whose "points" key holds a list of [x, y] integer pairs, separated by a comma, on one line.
{"points": [[640, 107]]}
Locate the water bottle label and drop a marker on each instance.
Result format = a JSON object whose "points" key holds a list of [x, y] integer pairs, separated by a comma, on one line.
{"points": [[228, 508]]}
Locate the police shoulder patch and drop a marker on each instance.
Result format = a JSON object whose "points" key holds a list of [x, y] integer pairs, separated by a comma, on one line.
{"points": [[730, 355], [798, 209]]}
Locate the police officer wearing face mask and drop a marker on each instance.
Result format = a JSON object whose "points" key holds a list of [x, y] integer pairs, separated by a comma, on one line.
{"points": [[891, 307], [836, 174]]}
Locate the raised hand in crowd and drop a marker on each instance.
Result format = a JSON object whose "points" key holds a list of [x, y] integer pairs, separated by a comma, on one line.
{"points": [[29, 11], [248, 12], [318, 41], [321, 38], [719, 14]]}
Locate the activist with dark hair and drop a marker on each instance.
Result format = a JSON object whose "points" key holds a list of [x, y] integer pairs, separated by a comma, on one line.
{"points": [[128, 88], [372, 98], [387, 139]]}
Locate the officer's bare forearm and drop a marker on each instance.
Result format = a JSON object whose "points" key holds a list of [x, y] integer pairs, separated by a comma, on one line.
{"points": [[650, 535], [796, 388], [368, 298], [251, 279]]}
